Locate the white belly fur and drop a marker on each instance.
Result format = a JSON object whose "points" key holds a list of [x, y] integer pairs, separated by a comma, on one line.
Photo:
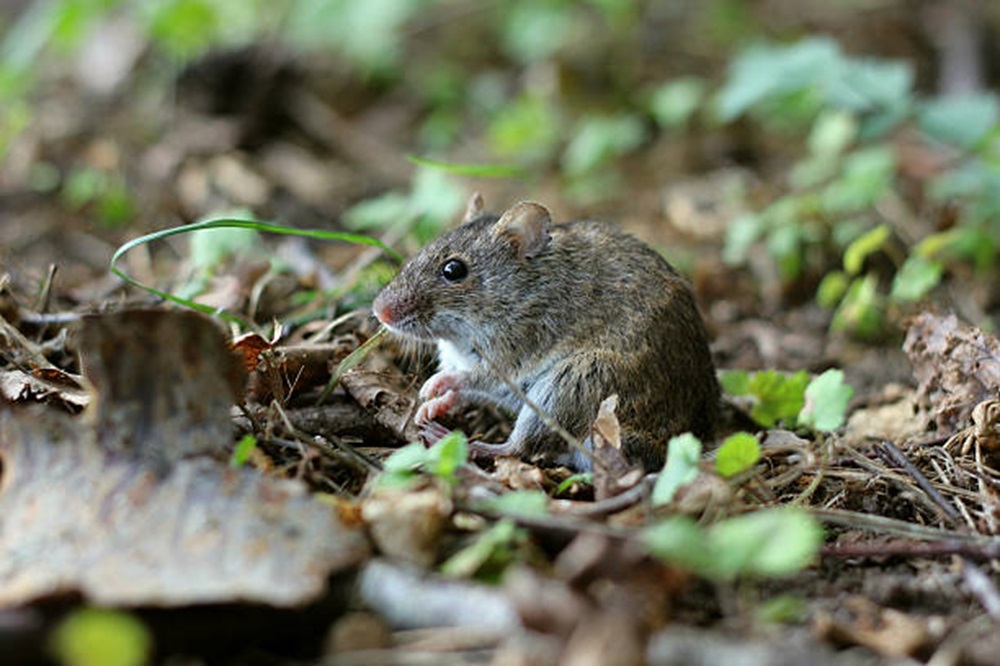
{"points": [[450, 359]]}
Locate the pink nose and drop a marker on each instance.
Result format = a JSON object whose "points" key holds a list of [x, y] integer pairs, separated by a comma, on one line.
{"points": [[383, 311]]}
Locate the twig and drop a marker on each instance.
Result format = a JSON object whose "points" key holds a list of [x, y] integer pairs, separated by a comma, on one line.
{"points": [[891, 454], [979, 551]]}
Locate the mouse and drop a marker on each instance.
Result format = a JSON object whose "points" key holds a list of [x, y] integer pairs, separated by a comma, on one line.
{"points": [[568, 314]]}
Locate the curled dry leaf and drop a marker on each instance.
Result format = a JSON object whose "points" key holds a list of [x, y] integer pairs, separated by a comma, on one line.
{"points": [[122, 512], [613, 474], [48, 386], [374, 391]]}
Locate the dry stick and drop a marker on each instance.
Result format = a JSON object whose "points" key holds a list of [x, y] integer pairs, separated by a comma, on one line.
{"points": [[978, 583], [891, 454], [366, 461], [979, 551], [902, 528]]}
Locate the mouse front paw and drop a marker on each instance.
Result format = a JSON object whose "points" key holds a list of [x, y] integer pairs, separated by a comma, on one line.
{"points": [[435, 407], [441, 383]]}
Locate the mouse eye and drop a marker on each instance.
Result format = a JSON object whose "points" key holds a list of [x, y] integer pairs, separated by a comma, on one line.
{"points": [[454, 270]]}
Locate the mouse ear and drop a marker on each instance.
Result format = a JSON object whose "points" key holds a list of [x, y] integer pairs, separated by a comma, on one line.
{"points": [[474, 208], [527, 225]]}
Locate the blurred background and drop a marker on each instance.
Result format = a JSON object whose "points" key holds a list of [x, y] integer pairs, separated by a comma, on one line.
{"points": [[819, 167]]}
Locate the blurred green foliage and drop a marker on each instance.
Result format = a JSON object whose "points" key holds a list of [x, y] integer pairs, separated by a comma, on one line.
{"points": [[846, 196], [556, 87]]}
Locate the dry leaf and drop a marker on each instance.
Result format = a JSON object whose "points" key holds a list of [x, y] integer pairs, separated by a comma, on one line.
{"points": [[121, 511]]}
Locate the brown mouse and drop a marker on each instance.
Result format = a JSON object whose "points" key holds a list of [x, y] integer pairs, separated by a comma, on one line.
{"points": [[571, 313]]}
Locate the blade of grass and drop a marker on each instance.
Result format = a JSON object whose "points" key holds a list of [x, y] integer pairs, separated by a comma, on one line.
{"points": [[476, 170], [349, 362], [220, 223]]}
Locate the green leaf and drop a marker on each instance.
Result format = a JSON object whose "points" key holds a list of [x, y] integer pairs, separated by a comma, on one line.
{"points": [[767, 543], [527, 128], [406, 459], [960, 121], [862, 247], [735, 382], [586, 479], [778, 396], [494, 544], [243, 449], [827, 397], [672, 104], [784, 244], [678, 540], [869, 86], [783, 609], [681, 468], [860, 311], [767, 72], [102, 637], [370, 34], [867, 176], [832, 289], [916, 278], [598, 139], [832, 133], [536, 30], [741, 235], [519, 503], [447, 455], [738, 453]]}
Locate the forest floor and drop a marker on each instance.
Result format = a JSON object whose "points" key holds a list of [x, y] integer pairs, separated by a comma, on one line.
{"points": [[121, 485]]}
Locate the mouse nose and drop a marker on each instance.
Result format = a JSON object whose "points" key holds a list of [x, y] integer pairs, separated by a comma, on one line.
{"points": [[383, 310]]}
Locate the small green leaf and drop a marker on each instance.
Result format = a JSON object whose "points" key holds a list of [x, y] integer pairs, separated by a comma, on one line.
{"points": [[765, 71], [827, 397], [241, 453], [915, 278], [674, 102], [447, 455], [779, 396], [776, 395], [741, 235], [583, 479], [832, 289], [867, 244], [735, 382], [101, 637], [491, 545], [782, 609], [680, 541], [860, 311], [960, 121], [683, 457], [832, 133], [519, 503], [599, 139], [406, 459], [767, 543], [738, 453], [526, 128], [866, 177]]}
